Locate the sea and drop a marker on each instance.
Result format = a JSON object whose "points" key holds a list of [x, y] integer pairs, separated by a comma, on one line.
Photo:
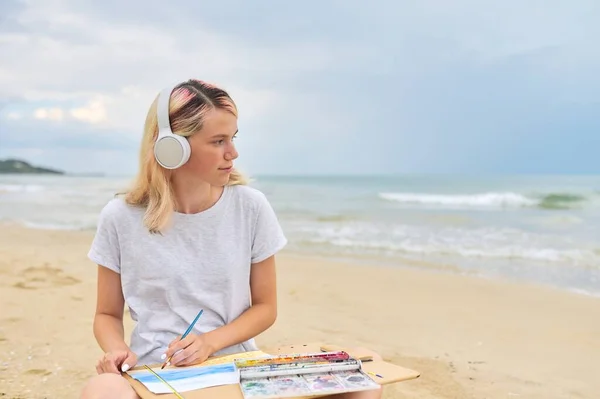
{"points": [[536, 229]]}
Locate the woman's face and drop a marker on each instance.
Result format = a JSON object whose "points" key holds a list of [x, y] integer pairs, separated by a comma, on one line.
{"points": [[212, 148]]}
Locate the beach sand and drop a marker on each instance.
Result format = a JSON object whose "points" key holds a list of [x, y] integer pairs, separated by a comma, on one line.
{"points": [[469, 337]]}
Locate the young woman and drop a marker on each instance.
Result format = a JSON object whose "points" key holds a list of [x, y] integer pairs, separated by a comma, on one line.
{"points": [[189, 235]]}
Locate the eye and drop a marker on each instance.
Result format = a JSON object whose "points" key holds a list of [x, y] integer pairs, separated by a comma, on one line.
{"points": [[222, 141]]}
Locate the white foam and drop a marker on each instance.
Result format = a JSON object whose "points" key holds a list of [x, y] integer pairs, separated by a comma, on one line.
{"points": [[55, 226], [489, 243], [21, 188], [489, 199]]}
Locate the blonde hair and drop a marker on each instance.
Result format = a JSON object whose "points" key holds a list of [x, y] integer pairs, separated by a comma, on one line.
{"points": [[152, 189]]}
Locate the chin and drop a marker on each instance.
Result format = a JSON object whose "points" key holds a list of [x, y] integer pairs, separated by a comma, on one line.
{"points": [[220, 181]]}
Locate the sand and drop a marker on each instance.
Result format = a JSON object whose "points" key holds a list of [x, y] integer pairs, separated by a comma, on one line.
{"points": [[469, 337]]}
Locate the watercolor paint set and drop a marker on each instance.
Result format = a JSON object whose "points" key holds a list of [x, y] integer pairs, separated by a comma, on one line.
{"points": [[302, 375]]}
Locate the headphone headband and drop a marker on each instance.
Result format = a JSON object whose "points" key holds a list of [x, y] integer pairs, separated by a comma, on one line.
{"points": [[162, 111], [171, 150]]}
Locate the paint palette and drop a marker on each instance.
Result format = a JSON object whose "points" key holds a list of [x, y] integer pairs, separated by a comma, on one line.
{"points": [[302, 375]]}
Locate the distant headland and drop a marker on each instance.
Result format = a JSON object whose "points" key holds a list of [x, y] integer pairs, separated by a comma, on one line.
{"points": [[19, 166]]}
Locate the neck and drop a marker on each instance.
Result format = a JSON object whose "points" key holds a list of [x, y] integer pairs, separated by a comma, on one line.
{"points": [[192, 196]]}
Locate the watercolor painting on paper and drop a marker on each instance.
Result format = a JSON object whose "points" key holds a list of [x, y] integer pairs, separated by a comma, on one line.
{"points": [[188, 378]]}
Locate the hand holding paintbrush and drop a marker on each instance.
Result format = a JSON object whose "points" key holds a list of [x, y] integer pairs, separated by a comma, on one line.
{"points": [[183, 337]]}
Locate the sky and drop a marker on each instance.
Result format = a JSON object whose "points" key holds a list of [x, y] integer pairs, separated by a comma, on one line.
{"points": [[323, 87]]}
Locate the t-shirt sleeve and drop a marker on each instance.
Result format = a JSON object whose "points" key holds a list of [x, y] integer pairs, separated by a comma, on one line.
{"points": [[268, 235], [105, 250]]}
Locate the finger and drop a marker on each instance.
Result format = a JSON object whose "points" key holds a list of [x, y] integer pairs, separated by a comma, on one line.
{"points": [[184, 357], [187, 355], [129, 362], [175, 341], [179, 345], [110, 366], [101, 368], [169, 357], [199, 356], [195, 358], [172, 348]]}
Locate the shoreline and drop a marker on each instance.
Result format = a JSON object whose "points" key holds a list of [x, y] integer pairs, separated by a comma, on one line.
{"points": [[468, 337], [374, 261]]}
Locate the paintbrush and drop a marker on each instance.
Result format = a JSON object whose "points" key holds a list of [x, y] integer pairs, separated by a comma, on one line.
{"points": [[185, 334]]}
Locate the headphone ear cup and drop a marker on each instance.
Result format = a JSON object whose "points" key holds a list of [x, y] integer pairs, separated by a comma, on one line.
{"points": [[172, 151]]}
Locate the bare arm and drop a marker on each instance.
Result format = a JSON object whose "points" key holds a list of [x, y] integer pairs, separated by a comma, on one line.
{"points": [[260, 316], [108, 321]]}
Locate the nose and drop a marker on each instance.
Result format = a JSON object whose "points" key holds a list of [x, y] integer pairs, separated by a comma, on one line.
{"points": [[232, 153]]}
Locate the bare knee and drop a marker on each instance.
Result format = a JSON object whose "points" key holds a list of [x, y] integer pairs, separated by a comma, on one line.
{"points": [[108, 386], [370, 394]]}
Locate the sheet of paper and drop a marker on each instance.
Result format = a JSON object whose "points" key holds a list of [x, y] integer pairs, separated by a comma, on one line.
{"points": [[187, 378]]}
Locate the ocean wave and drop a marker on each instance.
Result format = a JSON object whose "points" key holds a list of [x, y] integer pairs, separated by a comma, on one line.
{"points": [[20, 188], [508, 252], [561, 201], [335, 218], [489, 200], [487, 243], [57, 226]]}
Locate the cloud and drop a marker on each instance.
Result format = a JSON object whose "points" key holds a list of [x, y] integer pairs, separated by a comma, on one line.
{"points": [[342, 86], [53, 114], [107, 72], [94, 112], [13, 115], [86, 54], [111, 72]]}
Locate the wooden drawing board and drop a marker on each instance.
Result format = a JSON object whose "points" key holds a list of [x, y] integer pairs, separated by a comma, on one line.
{"points": [[390, 373]]}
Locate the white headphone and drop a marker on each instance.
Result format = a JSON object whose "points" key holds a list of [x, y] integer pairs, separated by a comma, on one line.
{"points": [[170, 150]]}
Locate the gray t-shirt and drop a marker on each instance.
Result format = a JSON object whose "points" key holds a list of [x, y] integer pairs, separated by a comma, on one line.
{"points": [[202, 262]]}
